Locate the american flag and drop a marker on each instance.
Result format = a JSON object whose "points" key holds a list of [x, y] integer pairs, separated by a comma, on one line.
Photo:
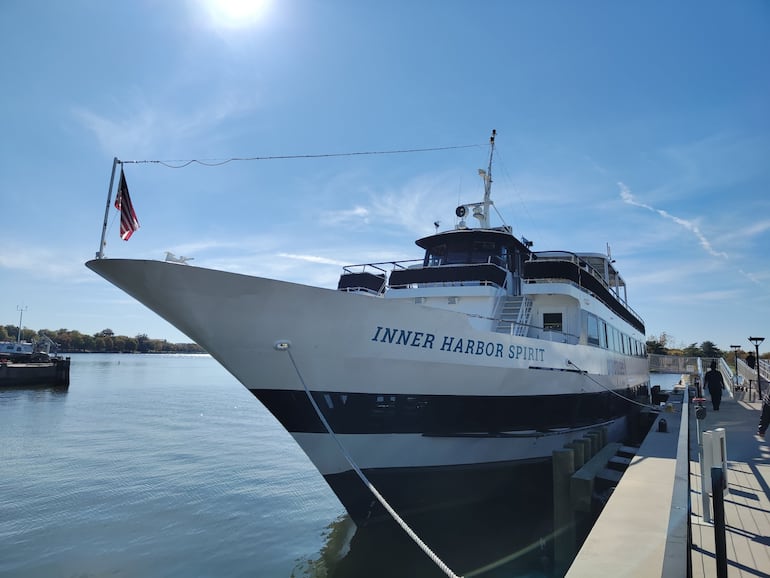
{"points": [[128, 221]]}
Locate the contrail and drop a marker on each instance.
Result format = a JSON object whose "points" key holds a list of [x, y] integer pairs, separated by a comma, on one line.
{"points": [[625, 194]]}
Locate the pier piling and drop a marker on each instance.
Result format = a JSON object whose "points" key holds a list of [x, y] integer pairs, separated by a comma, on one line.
{"points": [[563, 514]]}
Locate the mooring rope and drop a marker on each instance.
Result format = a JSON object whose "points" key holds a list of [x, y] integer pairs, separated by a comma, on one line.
{"points": [[612, 391], [285, 346]]}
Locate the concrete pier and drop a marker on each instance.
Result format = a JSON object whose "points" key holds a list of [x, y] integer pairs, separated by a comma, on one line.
{"points": [[653, 524]]}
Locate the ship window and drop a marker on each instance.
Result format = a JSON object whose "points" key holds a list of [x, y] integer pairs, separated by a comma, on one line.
{"points": [[602, 334], [457, 255], [435, 256], [552, 322], [593, 330], [484, 252]]}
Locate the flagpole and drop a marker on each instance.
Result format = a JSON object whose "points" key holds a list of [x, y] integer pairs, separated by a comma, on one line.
{"points": [[100, 252]]}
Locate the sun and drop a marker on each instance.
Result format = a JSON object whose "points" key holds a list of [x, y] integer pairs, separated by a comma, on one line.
{"points": [[236, 13]]}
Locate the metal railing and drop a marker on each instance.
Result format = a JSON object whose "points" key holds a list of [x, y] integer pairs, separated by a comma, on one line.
{"points": [[672, 364]]}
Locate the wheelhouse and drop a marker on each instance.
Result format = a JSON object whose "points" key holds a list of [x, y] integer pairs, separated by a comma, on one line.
{"points": [[466, 257]]}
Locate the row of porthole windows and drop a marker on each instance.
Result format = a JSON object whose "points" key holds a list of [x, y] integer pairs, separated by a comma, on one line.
{"points": [[600, 334]]}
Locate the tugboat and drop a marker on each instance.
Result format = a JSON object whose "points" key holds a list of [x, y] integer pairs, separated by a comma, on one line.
{"points": [[437, 380]]}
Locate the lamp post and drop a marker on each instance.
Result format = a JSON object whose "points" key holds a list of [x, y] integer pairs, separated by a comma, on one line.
{"points": [[735, 349], [756, 341]]}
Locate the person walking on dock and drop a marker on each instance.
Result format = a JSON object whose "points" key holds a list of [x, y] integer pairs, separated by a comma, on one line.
{"points": [[751, 360], [715, 384]]}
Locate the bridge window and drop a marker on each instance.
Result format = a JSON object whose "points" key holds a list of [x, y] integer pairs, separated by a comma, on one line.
{"points": [[485, 252], [435, 256]]}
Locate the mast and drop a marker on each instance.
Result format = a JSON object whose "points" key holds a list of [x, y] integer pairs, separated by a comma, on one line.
{"points": [[488, 179], [481, 210], [100, 252]]}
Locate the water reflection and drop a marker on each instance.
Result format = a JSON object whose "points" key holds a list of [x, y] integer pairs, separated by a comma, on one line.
{"points": [[488, 539], [33, 393]]}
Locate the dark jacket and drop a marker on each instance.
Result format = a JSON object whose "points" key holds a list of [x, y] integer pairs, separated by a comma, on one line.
{"points": [[714, 382]]}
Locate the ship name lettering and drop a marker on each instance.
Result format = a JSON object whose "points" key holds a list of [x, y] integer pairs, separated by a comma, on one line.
{"points": [[472, 347], [527, 353], [450, 343], [404, 337]]}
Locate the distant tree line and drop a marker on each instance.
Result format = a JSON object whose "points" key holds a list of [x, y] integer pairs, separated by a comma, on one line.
{"points": [[105, 341], [660, 346]]}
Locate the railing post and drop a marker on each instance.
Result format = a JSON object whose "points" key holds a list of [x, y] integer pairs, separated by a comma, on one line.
{"points": [[720, 542]]}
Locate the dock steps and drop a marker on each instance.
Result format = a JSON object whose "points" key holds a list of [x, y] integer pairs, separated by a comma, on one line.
{"points": [[627, 451], [609, 476], [618, 463]]}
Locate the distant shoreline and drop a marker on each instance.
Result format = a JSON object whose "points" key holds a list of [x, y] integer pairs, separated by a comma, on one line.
{"points": [[104, 341], [197, 351]]}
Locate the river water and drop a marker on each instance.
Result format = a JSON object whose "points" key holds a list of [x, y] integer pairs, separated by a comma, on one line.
{"points": [[165, 466]]}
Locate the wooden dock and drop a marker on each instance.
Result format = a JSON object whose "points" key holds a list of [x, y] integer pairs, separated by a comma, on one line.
{"points": [[747, 503], [653, 525]]}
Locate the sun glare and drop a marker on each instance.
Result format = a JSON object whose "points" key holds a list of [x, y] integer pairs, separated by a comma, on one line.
{"points": [[236, 13]]}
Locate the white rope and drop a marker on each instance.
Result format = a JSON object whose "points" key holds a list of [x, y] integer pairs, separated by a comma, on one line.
{"points": [[612, 391], [424, 547]]}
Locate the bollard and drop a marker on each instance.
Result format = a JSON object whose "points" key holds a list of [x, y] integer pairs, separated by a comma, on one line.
{"points": [[720, 454], [706, 450], [720, 542], [715, 453]]}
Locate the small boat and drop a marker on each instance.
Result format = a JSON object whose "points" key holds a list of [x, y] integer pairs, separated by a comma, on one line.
{"points": [[436, 381], [25, 364]]}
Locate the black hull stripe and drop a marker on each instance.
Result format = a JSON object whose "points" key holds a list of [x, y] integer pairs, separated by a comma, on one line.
{"points": [[414, 491], [371, 413]]}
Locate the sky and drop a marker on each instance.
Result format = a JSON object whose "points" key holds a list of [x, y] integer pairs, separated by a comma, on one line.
{"points": [[639, 126]]}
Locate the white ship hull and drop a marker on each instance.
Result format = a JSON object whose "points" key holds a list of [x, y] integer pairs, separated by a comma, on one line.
{"points": [[409, 390]]}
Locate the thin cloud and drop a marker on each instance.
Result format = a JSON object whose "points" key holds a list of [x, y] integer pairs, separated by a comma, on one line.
{"points": [[627, 197], [357, 214], [312, 259], [40, 262], [147, 127]]}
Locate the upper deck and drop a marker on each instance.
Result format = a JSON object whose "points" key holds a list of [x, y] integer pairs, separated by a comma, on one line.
{"points": [[591, 272]]}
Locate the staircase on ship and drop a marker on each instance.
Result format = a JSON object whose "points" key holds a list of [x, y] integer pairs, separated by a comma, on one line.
{"points": [[513, 315]]}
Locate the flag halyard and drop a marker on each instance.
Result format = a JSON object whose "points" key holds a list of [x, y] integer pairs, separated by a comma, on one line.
{"points": [[128, 221]]}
